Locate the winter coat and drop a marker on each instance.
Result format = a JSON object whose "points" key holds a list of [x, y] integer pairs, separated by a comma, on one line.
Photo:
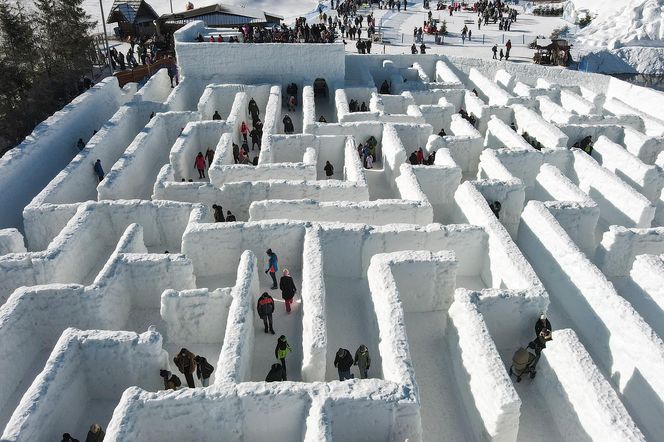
{"points": [[203, 368], [344, 362], [288, 124], [209, 154], [282, 349], [98, 169], [185, 363], [253, 107], [92, 437], [287, 287], [244, 129], [230, 218], [276, 373], [216, 116], [219, 214], [265, 305], [539, 326], [329, 169], [362, 359], [172, 383], [200, 162], [272, 264]]}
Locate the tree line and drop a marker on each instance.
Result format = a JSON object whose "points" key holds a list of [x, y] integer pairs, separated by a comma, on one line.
{"points": [[44, 52]]}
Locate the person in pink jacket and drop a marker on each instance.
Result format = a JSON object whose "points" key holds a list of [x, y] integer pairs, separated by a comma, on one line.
{"points": [[244, 130], [199, 164]]}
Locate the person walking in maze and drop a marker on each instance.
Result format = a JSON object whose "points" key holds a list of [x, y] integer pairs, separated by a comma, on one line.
{"points": [[265, 308], [288, 125], [253, 109], [218, 213], [96, 434], [216, 115], [288, 289], [494, 49], [230, 218], [203, 370], [199, 164], [343, 361], [280, 352], [209, 156], [99, 171], [272, 267], [362, 360], [244, 130], [187, 365], [329, 170], [255, 138]]}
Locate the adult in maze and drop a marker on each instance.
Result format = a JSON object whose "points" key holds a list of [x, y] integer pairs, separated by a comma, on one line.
{"points": [[272, 267], [185, 362], [288, 289], [265, 308], [343, 361], [362, 360]]}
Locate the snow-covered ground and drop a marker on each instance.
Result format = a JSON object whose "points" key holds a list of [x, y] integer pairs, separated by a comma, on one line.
{"points": [[102, 283], [625, 37]]}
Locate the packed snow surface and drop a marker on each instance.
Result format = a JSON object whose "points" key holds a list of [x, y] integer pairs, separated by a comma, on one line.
{"points": [[434, 237]]}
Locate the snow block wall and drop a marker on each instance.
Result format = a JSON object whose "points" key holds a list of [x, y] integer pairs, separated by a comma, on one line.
{"points": [[407, 259]]}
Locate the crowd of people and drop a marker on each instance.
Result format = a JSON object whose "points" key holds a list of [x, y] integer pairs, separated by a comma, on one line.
{"points": [[417, 158], [187, 363], [367, 152]]}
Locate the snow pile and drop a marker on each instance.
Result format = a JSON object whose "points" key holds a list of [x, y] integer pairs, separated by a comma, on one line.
{"points": [[629, 40]]}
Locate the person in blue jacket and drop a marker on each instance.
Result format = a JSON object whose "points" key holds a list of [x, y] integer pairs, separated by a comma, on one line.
{"points": [[272, 267]]}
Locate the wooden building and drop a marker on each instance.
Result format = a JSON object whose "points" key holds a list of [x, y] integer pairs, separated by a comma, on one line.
{"points": [[134, 17], [218, 16]]}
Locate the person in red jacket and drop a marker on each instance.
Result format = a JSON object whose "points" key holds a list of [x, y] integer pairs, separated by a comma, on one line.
{"points": [[199, 164], [265, 308], [420, 156], [244, 130]]}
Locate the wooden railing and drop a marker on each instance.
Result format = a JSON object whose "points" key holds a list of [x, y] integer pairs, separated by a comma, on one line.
{"points": [[139, 73]]}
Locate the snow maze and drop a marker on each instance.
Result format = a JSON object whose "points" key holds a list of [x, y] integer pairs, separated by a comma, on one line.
{"points": [[406, 259]]}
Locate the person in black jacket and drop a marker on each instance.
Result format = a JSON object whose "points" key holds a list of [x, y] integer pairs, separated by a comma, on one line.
{"points": [[265, 308], [288, 289], [329, 170], [203, 370], [230, 218], [543, 327], [276, 373], [67, 438], [343, 362], [218, 213], [280, 352], [216, 115], [96, 434]]}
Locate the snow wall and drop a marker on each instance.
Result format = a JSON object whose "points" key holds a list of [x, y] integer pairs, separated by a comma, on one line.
{"points": [[31, 165]]}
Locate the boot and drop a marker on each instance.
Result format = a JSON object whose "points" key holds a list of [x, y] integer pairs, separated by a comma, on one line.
{"points": [[271, 331]]}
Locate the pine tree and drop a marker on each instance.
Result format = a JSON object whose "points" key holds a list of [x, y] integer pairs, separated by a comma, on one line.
{"points": [[18, 59]]}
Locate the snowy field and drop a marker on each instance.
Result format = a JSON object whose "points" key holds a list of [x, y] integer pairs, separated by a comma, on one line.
{"points": [[102, 282]]}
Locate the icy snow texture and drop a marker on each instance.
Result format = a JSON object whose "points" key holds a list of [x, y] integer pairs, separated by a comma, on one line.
{"points": [[406, 259]]}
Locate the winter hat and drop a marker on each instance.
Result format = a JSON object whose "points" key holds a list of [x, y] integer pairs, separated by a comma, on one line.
{"points": [[340, 353], [542, 316], [286, 272], [228, 212], [269, 251], [282, 338], [164, 373]]}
